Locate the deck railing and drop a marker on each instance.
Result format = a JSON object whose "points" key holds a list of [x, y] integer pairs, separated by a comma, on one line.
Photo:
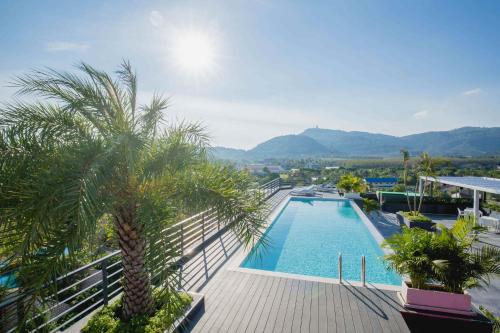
{"points": [[93, 285]]}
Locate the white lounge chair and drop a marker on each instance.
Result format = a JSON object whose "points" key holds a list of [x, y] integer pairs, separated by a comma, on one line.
{"points": [[492, 223], [309, 191], [461, 213]]}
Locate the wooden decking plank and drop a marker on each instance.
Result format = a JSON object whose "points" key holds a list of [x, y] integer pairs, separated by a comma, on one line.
{"points": [[265, 298], [391, 303], [353, 304], [273, 312], [362, 302], [299, 303], [372, 310], [279, 322], [330, 309], [339, 312], [252, 306], [314, 323], [348, 319], [290, 310], [384, 314], [217, 300], [267, 309], [306, 310], [322, 309], [235, 309], [214, 300], [244, 304], [221, 315]]}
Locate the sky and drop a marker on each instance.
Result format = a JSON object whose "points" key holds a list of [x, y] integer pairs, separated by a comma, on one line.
{"points": [[252, 70]]}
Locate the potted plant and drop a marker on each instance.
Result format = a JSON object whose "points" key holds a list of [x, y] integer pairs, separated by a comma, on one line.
{"points": [[440, 267], [351, 185], [415, 220]]}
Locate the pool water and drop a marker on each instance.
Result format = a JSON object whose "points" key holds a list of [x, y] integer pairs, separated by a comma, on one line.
{"points": [[307, 237]]}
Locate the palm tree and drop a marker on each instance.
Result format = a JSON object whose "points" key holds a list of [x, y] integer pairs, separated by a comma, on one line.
{"points": [[426, 166], [87, 149], [406, 161]]}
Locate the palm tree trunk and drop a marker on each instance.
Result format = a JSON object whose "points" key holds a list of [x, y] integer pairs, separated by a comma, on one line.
{"points": [[137, 296], [421, 198], [406, 188]]}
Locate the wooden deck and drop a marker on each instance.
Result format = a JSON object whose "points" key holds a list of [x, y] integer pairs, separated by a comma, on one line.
{"points": [[237, 301]]}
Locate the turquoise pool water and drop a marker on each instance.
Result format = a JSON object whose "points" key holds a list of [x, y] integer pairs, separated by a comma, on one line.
{"points": [[307, 237]]}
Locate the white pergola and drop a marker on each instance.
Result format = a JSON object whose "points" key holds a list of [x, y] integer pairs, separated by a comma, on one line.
{"points": [[477, 184]]}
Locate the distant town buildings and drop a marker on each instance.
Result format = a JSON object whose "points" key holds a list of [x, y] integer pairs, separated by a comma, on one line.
{"points": [[261, 169]]}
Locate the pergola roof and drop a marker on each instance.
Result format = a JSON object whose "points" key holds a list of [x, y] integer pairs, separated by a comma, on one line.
{"points": [[484, 184]]}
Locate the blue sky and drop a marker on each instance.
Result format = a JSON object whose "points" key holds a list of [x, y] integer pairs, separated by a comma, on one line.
{"points": [[279, 67]]}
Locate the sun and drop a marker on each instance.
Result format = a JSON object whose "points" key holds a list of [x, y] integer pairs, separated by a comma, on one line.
{"points": [[194, 52]]}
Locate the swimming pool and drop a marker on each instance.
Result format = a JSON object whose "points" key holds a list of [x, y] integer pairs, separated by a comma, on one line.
{"points": [[307, 236]]}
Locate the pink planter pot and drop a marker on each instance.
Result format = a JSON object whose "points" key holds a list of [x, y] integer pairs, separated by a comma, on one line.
{"points": [[433, 300]]}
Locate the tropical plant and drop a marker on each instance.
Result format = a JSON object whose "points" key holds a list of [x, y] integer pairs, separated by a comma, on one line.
{"points": [[370, 205], [406, 162], [416, 218], [424, 167], [447, 257], [86, 150], [350, 183], [409, 255], [458, 264]]}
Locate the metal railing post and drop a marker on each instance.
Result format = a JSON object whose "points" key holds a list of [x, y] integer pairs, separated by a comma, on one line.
{"points": [[182, 239], [203, 227], [363, 270], [104, 270], [340, 267]]}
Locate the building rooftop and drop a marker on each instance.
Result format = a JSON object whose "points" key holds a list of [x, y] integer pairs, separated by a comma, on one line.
{"points": [[484, 184], [381, 180]]}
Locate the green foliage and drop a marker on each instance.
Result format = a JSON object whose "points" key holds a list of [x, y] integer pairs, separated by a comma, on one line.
{"points": [[85, 155], [410, 255], [399, 188], [492, 205], [416, 217], [370, 205], [351, 183], [446, 256], [169, 306], [496, 320]]}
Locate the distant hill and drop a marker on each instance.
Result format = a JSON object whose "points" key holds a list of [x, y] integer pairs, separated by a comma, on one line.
{"points": [[319, 142], [288, 145]]}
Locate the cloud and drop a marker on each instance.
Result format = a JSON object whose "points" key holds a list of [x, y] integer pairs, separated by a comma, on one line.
{"points": [[421, 114], [65, 46], [474, 91], [155, 18]]}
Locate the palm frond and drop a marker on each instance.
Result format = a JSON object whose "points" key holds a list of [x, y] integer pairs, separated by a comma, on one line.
{"points": [[152, 115]]}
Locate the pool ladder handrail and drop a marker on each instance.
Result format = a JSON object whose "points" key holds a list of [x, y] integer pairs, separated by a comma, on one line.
{"points": [[363, 269]]}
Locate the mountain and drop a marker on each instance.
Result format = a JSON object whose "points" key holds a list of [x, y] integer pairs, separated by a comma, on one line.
{"points": [[354, 143], [319, 142], [288, 145]]}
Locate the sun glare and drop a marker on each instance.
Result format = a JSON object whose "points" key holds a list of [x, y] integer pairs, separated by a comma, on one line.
{"points": [[194, 52]]}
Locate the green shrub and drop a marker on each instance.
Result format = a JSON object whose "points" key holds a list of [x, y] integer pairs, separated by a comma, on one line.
{"points": [[169, 306], [416, 217], [446, 256], [351, 183], [369, 205]]}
